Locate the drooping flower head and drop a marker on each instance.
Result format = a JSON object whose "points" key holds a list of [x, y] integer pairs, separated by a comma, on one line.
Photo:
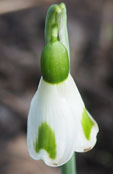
{"points": [[58, 121]]}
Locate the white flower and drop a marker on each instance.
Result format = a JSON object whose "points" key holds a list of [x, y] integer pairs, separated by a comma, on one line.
{"points": [[58, 123]]}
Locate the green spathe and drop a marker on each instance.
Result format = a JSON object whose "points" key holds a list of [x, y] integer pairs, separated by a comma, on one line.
{"points": [[54, 62], [46, 140], [57, 15], [87, 124]]}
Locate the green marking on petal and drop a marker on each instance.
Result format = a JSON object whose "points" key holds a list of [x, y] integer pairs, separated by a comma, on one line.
{"points": [[87, 124], [46, 140]]}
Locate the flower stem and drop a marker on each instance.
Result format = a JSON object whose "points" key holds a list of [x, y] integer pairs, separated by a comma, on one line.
{"points": [[70, 166]]}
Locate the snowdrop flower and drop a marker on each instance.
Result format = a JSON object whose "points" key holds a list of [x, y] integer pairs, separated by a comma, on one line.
{"points": [[58, 121]]}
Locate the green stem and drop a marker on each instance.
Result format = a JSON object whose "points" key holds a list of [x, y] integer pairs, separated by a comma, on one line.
{"points": [[70, 166]]}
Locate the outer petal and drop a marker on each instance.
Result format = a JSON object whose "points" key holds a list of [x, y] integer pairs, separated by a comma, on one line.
{"points": [[50, 107], [60, 108], [86, 127]]}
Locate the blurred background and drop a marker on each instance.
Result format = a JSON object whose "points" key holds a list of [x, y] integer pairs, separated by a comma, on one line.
{"points": [[90, 25]]}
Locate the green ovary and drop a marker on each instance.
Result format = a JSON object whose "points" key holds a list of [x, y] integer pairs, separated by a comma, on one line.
{"points": [[46, 140], [87, 124], [54, 62]]}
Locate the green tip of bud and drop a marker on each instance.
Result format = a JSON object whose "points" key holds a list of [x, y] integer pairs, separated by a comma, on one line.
{"points": [[58, 9], [54, 62], [62, 6]]}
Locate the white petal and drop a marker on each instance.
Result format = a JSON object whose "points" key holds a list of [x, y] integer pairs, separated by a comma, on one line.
{"points": [[61, 107], [48, 105], [82, 144]]}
